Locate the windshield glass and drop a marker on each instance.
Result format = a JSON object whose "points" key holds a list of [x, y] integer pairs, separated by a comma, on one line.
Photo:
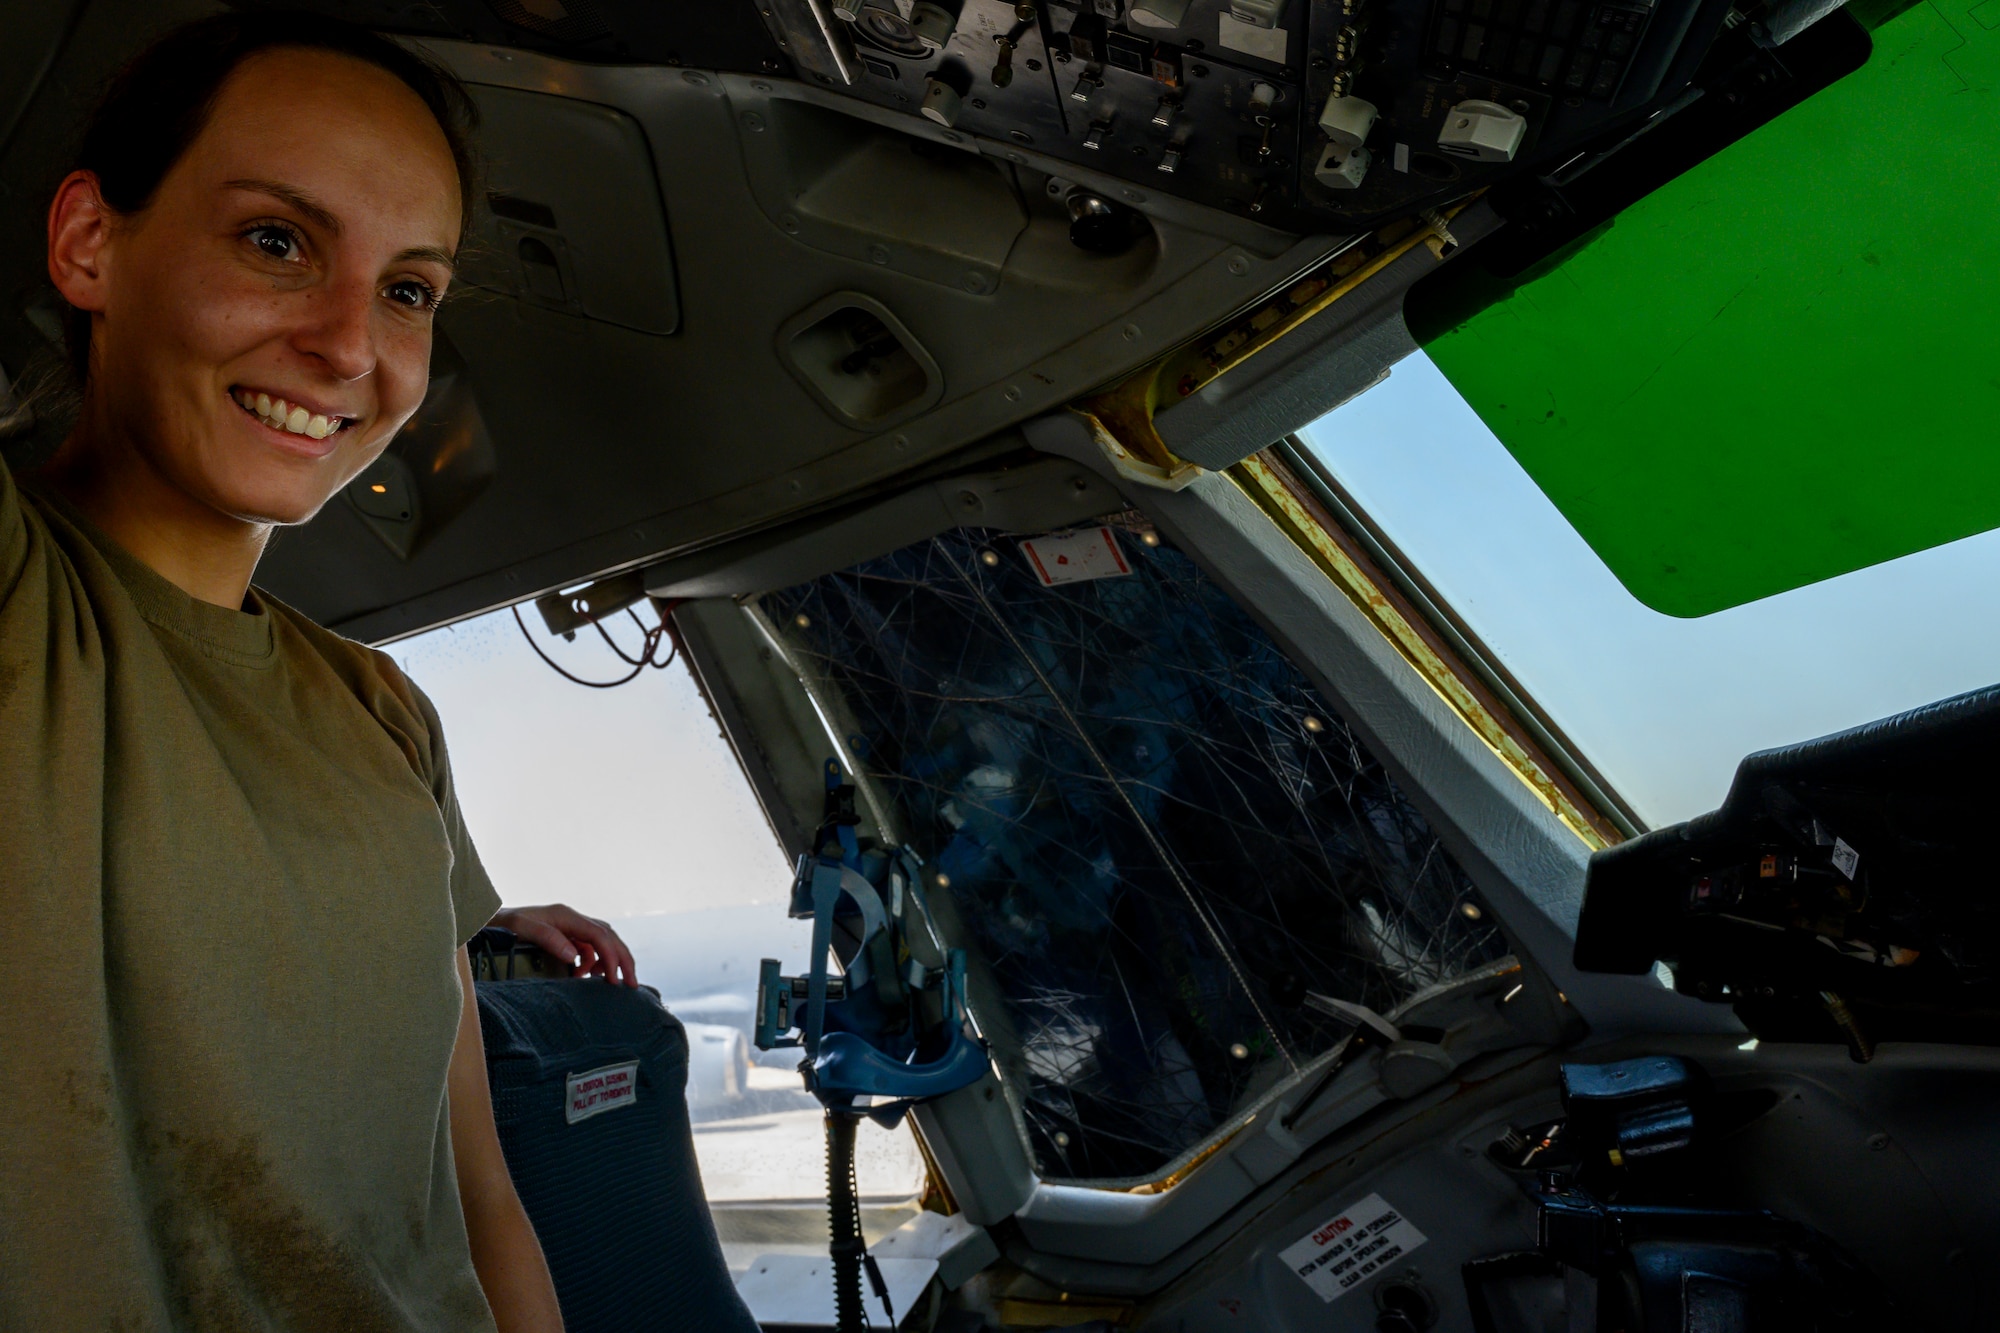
{"points": [[1155, 836], [1662, 706]]}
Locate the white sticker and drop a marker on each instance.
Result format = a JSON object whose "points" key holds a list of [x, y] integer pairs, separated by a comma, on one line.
{"points": [[1251, 40], [596, 1091], [1845, 859], [1075, 557], [1352, 1247]]}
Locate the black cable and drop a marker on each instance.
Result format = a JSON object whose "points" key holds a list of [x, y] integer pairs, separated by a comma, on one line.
{"points": [[665, 629]]}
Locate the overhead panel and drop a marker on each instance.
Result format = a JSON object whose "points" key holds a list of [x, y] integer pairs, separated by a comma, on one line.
{"points": [[1312, 115]]}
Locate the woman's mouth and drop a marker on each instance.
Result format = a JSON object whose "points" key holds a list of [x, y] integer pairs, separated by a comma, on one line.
{"points": [[289, 417]]}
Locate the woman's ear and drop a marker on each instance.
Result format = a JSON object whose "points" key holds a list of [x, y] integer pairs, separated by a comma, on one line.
{"points": [[79, 227]]}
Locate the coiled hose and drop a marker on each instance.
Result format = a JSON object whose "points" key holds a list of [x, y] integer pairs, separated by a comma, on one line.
{"points": [[844, 1218]]}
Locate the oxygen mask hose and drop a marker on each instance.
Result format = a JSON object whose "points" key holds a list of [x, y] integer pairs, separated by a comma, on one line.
{"points": [[844, 1216]]}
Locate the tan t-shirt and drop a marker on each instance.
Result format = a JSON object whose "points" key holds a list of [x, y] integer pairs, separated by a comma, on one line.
{"points": [[232, 880]]}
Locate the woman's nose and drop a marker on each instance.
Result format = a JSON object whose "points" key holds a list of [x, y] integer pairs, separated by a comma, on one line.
{"points": [[340, 330]]}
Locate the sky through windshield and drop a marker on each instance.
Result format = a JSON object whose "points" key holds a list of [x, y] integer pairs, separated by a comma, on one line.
{"points": [[1664, 707]]}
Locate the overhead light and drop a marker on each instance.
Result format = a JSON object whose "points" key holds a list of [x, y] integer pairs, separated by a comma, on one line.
{"points": [[378, 488]]}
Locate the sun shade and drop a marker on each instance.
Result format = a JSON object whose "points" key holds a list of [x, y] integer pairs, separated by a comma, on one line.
{"points": [[1780, 366], [1157, 836]]}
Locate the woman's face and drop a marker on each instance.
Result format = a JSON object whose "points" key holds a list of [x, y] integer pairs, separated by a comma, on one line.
{"points": [[263, 328]]}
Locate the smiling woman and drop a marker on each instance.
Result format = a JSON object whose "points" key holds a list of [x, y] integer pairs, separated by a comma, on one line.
{"points": [[203, 795], [267, 302]]}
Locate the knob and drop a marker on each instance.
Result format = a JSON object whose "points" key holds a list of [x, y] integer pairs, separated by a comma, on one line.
{"points": [[933, 23], [1341, 167], [1157, 13], [1482, 131], [941, 102], [1347, 120], [1098, 225]]}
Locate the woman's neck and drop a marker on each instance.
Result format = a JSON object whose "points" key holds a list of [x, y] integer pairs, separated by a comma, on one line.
{"points": [[207, 554]]}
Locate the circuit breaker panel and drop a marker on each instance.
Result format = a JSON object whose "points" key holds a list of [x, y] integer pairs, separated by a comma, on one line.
{"points": [[1305, 114]]}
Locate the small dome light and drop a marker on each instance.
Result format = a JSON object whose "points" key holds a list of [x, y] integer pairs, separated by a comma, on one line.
{"points": [[1471, 911], [1149, 538], [379, 488], [989, 558], [1314, 725], [802, 620], [1240, 1051]]}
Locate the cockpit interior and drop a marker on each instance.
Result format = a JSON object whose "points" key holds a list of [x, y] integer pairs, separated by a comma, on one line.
{"points": [[1246, 944]]}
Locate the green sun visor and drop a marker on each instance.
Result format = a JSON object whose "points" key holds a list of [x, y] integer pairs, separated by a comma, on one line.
{"points": [[1782, 363]]}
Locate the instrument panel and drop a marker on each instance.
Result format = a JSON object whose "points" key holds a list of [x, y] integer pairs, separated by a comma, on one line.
{"points": [[1307, 115]]}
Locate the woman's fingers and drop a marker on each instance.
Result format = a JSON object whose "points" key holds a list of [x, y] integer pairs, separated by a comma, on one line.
{"points": [[527, 923], [614, 958], [590, 947]]}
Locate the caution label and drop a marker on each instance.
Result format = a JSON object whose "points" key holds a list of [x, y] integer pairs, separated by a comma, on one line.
{"points": [[1351, 1247], [1076, 557], [596, 1091]]}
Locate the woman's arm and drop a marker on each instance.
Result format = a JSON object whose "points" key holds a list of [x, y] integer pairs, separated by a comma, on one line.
{"points": [[505, 1252]]}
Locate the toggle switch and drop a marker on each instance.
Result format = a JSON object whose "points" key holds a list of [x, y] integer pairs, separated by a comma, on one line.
{"points": [[1170, 161], [1099, 130], [1163, 115]]}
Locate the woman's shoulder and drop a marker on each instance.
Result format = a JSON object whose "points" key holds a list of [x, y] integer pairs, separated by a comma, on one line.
{"points": [[373, 676]]}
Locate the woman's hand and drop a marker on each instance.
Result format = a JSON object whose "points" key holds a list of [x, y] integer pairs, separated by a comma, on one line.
{"points": [[588, 945]]}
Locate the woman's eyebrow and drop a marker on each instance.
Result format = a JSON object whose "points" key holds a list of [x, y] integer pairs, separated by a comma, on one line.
{"points": [[310, 208], [428, 254]]}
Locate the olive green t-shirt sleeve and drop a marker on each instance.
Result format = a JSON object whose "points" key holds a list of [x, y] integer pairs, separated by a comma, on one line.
{"points": [[473, 898]]}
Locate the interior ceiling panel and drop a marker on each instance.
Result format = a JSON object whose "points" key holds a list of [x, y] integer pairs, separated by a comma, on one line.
{"points": [[612, 445]]}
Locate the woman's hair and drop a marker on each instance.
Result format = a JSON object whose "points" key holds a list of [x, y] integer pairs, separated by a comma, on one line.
{"points": [[155, 107]]}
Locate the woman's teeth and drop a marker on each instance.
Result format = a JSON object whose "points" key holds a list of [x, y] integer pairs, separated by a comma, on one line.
{"points": [[277, 413]]}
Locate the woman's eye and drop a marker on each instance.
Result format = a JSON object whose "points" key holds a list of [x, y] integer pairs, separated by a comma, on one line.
{"points": [[275, 242], [415, 295]]}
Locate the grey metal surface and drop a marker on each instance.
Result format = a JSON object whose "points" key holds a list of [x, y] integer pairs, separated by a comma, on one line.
{"points": [[1038, 497], [616, 447], [577, 179], [1890, 1160], [763, 713], [1343, 351]]}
